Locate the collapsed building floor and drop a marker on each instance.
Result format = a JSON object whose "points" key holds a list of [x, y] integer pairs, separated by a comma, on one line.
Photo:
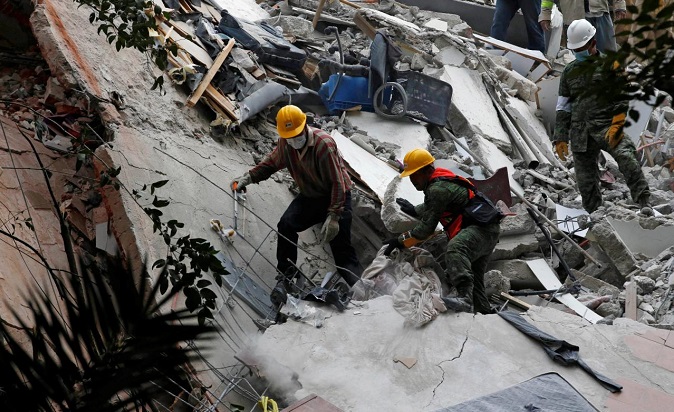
{"points": [[502, 107]]}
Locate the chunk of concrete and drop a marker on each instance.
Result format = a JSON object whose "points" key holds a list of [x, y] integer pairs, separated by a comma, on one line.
{"points": [[293, 25], [451, 56], [407, 135], [437, 24], [645, 285], [518, 272], [512, 247], [519, 224], [614, 247]]}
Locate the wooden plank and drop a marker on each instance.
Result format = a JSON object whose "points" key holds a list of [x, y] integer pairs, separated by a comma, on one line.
{"points": [[206, 80], [319, 10], [189, 46], [532, 54], [517, 302], [549, 280], [222, 101], [631, 300]]}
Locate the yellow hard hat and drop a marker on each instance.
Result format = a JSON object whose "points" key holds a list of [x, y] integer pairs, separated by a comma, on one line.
{"points": [[290, 121], [416, 159]]}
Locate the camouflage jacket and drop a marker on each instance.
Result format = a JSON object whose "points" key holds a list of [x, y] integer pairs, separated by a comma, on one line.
{"points": [[440, 196], [579, 116]]}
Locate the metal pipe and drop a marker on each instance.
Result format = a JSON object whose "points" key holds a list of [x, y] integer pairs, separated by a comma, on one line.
{"points": [[521, 197]]}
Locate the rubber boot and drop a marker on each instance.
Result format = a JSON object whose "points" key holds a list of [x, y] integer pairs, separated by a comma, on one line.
{"points": [[462, 302]]}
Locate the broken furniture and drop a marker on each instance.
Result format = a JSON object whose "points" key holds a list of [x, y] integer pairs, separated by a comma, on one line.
{"points": [[380, 88]]}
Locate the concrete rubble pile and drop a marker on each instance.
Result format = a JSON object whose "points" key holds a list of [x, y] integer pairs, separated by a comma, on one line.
{"points": [[501, 113]]}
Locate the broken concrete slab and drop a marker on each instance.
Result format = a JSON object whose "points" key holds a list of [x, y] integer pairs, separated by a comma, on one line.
{"points": [[519, 224], [374, 172], [639, 240], [407, 134], [449, 351], [472, 111], [519, 273], [293, 26], [512, 247], [450, 56], [604, 234], [524, 115]]}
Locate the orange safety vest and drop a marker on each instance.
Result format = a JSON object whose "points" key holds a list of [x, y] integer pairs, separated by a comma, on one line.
{"points": [[452, 220]]}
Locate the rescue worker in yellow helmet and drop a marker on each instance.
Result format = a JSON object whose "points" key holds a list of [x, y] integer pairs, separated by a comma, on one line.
{"points": [[470, 221], [312, 158]]}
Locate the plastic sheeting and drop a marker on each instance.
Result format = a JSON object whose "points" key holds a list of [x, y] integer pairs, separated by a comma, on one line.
{"points": [[547, 392]]}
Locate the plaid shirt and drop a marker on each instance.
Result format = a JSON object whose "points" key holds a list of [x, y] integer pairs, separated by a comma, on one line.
{"points": [[318, 169]]}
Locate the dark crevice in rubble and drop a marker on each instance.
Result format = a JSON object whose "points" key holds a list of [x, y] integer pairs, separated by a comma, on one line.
{"points": [[442, 380]]}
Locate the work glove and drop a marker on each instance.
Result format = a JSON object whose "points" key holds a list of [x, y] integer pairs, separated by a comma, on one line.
{"points": [[393, 243], [406, 206], [562, 149], [614, 134], [239, 184], [330, 228]]}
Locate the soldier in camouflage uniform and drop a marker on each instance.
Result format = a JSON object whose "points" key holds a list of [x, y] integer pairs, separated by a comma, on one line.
{"points": [[470, 243], [591, 126]]}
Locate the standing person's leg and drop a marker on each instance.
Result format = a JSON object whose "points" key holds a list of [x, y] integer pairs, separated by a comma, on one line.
{"points": [[587, 175], [302, 213], [342, 250], [504, 13], [479, 267], [530, 10], [605, 32], [626, 155]]}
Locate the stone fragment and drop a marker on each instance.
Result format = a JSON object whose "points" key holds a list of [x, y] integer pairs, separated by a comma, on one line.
{"points": [[519, 273], [293, 25], [519, 224], [609, 309], [614, 247], [418, 62], [436, 24], [495, 283], [645, 284], [462, 29], [512, 247], [646, 307]]}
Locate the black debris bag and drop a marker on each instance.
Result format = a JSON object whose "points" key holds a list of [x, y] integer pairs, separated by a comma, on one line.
{"points": [[559, 350]]}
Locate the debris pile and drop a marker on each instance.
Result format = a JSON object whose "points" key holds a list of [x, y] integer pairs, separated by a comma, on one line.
{"points": [[502, 109]]}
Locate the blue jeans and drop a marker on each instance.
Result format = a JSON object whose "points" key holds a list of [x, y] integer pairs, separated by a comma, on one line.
{"points": [[605, 32], [505, 11]]}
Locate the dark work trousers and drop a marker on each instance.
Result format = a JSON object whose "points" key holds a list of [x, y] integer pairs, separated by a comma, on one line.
{"points": [[304, 212]]}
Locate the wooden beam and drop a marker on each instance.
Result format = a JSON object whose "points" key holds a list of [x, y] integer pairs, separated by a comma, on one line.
{"points": [[319, 10], [348, 3], [206, 80], [631, 300], [517, 302], [213, 94]]}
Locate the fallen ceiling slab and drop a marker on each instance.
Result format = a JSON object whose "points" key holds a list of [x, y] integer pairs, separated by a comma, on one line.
{"points": [[373, 172], [459, 357], [644, 241], [406, 134]]}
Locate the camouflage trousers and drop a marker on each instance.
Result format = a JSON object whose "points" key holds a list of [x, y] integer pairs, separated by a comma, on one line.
{"points": [[587, 171], [467, 256]]}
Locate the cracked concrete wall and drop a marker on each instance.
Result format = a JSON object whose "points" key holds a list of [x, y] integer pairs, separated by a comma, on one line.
{"points": [[21, 270], [148, 136]]}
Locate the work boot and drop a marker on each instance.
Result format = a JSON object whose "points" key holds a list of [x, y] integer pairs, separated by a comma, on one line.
{"points": [[645, 205], [462, 302]]}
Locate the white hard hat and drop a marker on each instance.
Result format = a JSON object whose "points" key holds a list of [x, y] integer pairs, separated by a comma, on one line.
{"points": [[579, 33]]}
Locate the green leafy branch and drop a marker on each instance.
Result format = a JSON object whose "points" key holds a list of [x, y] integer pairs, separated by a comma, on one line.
{"points": [[187, 259], [129, 24]]}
